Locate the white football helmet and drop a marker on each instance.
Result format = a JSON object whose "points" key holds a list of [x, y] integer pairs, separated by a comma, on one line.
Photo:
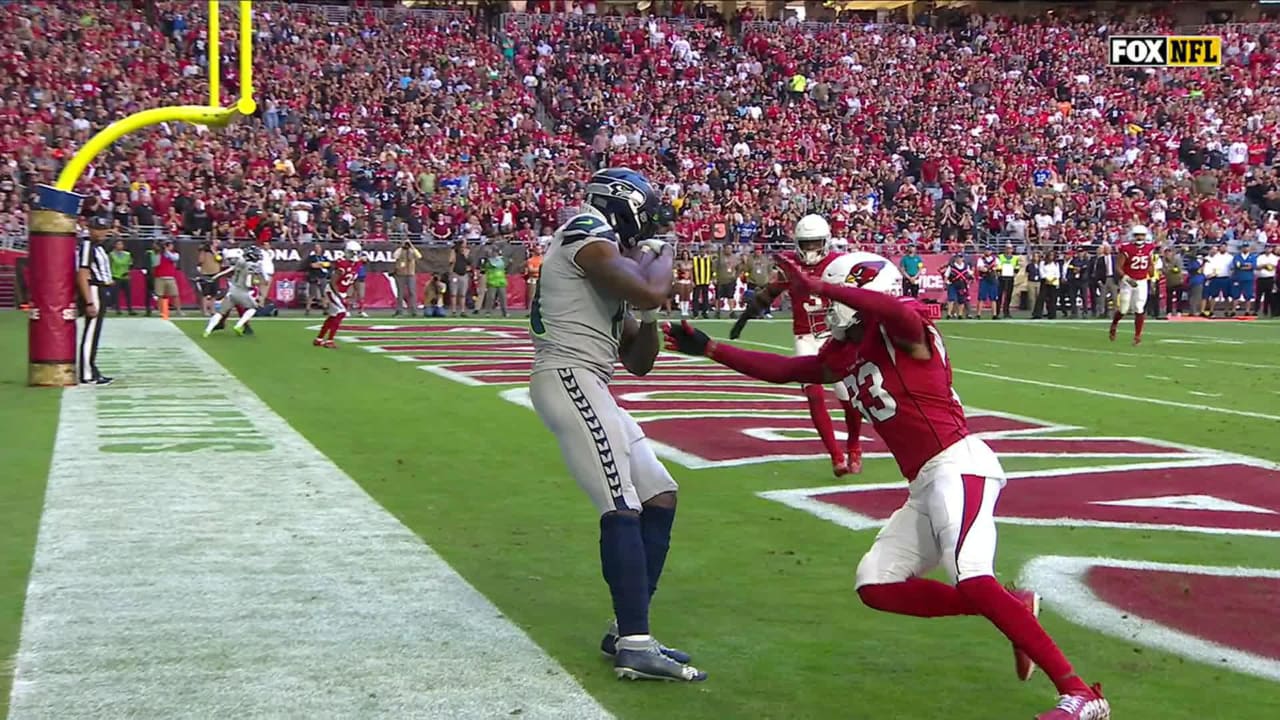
{"points": [[353, 250], [859, 269], [812, 236], [1139, 234]]}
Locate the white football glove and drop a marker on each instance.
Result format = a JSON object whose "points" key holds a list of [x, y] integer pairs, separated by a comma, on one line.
{"points": [[652, 245]]}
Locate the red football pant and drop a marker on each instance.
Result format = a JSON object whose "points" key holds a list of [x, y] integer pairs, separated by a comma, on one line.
{"points": [[330, 326], [853, 425], [822, 420]]}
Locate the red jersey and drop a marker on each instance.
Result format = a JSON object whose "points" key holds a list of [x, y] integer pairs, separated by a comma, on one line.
{"points": [[808, 313], [910, 402], [1138, 259], [345, 273]]}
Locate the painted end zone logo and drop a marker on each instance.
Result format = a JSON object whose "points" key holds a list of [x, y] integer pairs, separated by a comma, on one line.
{"points": [[727, 420], [1164, 50], [701, 415]]}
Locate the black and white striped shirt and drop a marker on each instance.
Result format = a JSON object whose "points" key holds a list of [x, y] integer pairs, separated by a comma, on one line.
{"points": [[94, 257]]}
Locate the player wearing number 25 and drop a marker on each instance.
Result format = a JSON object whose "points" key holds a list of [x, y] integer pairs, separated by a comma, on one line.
{"points": [[894, 364]]}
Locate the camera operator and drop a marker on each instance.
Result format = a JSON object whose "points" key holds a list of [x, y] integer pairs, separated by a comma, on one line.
{"points": [[406, 260]]}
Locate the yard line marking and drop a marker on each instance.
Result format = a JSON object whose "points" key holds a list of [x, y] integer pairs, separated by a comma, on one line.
{"points": [[1204, 394], [1085, 390], [991, 365], [1121, 396], [1157, 377], [1056, 365], [1125, 365], [187, 572], [1090, 351], [1191, 365]]}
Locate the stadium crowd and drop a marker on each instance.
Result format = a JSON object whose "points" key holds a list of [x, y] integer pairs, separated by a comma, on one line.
{"points": [[946, 132]]}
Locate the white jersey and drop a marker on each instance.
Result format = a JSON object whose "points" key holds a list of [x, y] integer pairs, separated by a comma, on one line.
{"points": [[573, 323]]}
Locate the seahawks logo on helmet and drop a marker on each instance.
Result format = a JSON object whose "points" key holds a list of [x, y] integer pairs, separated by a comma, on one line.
{"points": [[627, 201], [252, 254]]}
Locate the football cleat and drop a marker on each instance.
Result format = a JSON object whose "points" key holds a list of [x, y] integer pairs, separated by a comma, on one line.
{"points": [[206, 333], [1137, 339], [237, 329], [840, 467], [103, 380], [330, 344], [1021, 663], [643, 660], [609, 646], [1082, 706], [1112, 334], [318, 342]]}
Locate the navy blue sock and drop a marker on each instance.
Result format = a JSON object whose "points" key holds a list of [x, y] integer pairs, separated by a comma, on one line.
{"points": [[655, 528], [622, 559]]}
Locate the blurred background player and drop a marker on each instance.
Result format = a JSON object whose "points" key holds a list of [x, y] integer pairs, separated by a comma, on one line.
{"points": [[813, 254], [1137, 263], [1244, 266], [684, 282], [892, 358], [602, 260], [241, 278], [345, 272], [989, 283]]}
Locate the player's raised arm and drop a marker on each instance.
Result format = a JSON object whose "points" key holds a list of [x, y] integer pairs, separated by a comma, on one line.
{"points": [[901, 322], [769, 367]]}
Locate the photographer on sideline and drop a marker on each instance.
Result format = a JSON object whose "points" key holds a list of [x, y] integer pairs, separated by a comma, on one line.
{"points": [[406, 259]]}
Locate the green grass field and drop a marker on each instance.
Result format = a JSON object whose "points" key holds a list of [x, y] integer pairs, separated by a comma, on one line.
{"points": [[760, 593]]}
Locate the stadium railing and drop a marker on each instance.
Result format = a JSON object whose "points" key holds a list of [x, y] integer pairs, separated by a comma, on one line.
{"points": [[336, 14], [525, 21], [811, 26]]}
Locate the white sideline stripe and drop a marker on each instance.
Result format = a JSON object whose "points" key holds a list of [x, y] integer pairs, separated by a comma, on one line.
{"points": [[233, 583], [1062, 581], [1087, 391], [1197, 393], [1091, 351]]}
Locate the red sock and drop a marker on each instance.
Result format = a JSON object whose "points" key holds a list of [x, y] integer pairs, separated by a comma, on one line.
{"points": [[1115, 319], [853, 425], [917, 597], [336, 323], [324, 328], [1012, 618], [822, 419], [1138, 321]]}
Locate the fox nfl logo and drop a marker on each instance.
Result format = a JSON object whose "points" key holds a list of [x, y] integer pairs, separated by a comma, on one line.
{"points": [[1164, 50]]}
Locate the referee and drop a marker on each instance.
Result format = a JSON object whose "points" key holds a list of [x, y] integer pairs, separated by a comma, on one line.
{"points": [[93, 272], [704, 272]]}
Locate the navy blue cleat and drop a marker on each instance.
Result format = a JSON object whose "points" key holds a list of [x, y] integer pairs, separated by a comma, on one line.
{"points": [[609, 646], [644, 660]]}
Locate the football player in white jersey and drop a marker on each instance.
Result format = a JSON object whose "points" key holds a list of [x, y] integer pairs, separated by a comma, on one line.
{"points": [[602, 263], [239, 290]]}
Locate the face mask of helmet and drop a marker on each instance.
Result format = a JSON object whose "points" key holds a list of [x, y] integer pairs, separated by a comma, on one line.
{"points": [[811, 251]]}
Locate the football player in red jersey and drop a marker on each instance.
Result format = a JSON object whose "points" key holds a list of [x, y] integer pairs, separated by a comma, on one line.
{"points": [[345, 272], [892, 359], [1137, 266], [813, 255]]}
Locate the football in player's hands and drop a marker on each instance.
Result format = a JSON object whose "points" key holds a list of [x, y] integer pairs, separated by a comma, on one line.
{"points": [[685, 338]]}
